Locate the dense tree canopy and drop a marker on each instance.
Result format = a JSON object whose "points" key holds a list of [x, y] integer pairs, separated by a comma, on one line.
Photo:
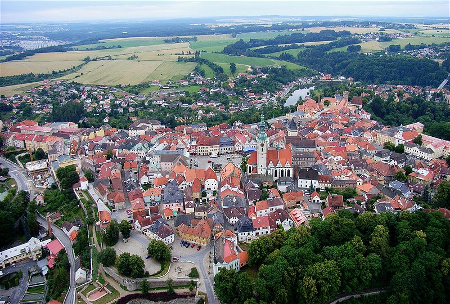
{"points": [[107, 256], [130, 265], [158, 250], [111, 235], [67, 176], [406, 254]]}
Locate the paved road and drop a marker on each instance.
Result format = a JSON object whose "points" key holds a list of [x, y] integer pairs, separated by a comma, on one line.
{"points": [[442, 85], [65, 241], [16, 293], [197, 258], [19, 175]]}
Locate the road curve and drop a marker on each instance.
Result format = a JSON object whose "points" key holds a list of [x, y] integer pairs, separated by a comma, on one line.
{"points": [[18, 174], [65, 241]]}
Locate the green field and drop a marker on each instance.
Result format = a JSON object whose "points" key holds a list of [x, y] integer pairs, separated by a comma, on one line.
{"points": [[111, 43], [293, 52], [211, 46], [251, 61]]}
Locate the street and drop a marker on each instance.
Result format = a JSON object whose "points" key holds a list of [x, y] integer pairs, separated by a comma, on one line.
{"points": [[65, 241], [16, 293], [19, 176]]}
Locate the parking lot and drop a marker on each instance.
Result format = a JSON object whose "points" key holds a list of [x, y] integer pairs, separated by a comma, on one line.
{"points": [[134, 246], [204, 162]]}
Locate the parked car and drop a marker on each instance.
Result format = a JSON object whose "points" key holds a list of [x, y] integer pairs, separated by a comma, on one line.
{"points": [[192, 245], [186, 244], [147, 257], [174, 259], [199, 247], [209, 161]]}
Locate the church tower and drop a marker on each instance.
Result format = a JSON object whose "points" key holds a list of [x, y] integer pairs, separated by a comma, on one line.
{"points": [[262, 148]]}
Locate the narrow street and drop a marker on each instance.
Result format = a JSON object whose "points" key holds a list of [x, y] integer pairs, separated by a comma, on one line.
{"points": [[65, 241]]}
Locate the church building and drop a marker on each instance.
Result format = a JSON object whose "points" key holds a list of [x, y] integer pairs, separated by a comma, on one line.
{"points": [[273, 162]]}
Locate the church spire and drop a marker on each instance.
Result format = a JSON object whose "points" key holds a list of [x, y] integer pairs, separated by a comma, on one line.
{"points": [[262, 136]]}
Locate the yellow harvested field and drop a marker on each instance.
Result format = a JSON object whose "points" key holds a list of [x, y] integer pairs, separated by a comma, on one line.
{"points": [[18, 88], [370, 46], [113, 72], [161, 55], [65, 56], [169, 69], [37, 67]]}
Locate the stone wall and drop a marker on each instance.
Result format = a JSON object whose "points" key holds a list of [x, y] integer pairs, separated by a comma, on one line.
{"points": [[133, 284]]}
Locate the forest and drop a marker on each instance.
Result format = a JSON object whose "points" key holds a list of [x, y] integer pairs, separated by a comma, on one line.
{"points": [[434, 115], [404, 256], [244, 48], [17, 217]]}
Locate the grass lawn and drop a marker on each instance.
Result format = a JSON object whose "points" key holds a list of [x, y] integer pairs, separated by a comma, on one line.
{"points": [[89, 288], [164, 269], [109, 297], [191, 89], [209, 73], [94, 262], [36, 289]]}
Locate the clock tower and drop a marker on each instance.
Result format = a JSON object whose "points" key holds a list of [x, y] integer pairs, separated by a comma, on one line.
{"points": [[262, 147]]}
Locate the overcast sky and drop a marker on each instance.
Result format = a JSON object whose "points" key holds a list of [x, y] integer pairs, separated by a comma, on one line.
{"points": [[71, 11]]}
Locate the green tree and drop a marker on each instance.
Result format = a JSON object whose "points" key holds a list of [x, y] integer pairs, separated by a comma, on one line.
{"points": [[400, 176], [170, 289], [388, 145], [379, 242], [225, 285], [145, 286], [244, 164], [89, 176], [39, 154], [259, 250], [159, 251], [418, 140], [130, 265], [67, 176], [442, 196], [111, 235], [321, 282], [193, 273], [33, 225], [125, 228], [400, 148], [107, 256], [408, 169], [232, 68], [109, 154]]}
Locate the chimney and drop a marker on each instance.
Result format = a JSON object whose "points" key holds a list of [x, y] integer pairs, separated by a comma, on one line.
{"points": [[49, 228]]}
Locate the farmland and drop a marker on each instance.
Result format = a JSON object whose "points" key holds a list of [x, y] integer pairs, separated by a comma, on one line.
{"points": [[37, 67], [222, 58], [114, 72]]}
